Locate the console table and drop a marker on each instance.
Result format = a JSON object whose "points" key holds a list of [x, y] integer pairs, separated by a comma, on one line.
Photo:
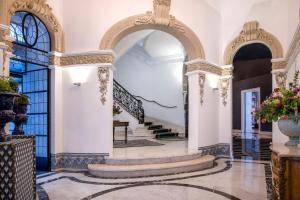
{"points": [[121, 124], [285, 172]]}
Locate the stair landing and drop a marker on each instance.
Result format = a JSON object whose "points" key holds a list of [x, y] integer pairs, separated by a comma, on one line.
{"points": [[134, 168]]}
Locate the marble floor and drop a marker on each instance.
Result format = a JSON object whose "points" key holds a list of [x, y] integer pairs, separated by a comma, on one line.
{"points": [[228, 179], [168, 149]]}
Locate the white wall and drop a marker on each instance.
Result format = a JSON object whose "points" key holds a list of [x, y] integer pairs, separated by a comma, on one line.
{"points": [[142, 76], [275, 16], [87, 124]]}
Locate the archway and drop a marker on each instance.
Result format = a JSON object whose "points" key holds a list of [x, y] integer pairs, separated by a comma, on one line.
{"points": [[159, 20], [256, 38], [252, 33], [43, 11]]}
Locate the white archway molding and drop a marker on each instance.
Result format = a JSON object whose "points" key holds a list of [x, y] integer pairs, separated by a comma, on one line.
{"points": [[252, 33]]}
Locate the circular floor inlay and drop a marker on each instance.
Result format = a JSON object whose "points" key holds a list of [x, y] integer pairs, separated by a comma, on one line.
{"points": [[163, 191]]}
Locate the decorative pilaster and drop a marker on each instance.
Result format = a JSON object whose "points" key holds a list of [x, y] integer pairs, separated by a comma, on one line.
{"points": [[6, 48], [103, 76], [201, 85]]}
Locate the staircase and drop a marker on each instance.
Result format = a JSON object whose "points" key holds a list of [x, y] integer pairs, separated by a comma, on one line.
{"points": [[134, 168], [128, 102], [159, 131], [134, 106]]}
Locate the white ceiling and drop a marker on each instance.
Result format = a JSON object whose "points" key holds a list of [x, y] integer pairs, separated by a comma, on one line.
{"points": [[157, 44]]}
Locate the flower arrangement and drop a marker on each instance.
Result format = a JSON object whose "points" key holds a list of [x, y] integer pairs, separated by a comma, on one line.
{"points": [[116, 109], [284, 103]]}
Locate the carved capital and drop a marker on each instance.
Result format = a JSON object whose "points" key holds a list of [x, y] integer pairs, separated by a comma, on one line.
{"points": [[81, 59], [205, 66], [280, 78], [103, 76], [279, 64], [201, 84]]}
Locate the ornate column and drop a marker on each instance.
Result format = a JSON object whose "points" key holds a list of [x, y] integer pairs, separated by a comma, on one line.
{"points": [[203, 103], [225, 108], [279, 77], [5, 49], [86, 80]]}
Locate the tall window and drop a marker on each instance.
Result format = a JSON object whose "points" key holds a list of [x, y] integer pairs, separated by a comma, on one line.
{"points": [[30, 68]]}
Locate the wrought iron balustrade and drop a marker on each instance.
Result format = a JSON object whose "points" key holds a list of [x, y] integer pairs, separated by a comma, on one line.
{"points": [[128, 102]]}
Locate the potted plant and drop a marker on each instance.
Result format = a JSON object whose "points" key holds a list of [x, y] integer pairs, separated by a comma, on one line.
{"points": [[116, 109], [283, 106], [20, 108], [8, 92]]}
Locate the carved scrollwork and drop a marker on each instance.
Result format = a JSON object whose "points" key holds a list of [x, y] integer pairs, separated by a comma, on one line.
{"points": [[224, 86], [281, 78], [201, 84], [103, 76], [252, 32], [204, 66], [80, 59]]}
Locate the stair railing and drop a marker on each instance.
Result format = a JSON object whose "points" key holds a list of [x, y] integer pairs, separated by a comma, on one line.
{"points": [[128, 102]]}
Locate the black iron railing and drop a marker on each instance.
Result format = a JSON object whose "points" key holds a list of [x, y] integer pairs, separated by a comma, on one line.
{"points": [[128, 102]]}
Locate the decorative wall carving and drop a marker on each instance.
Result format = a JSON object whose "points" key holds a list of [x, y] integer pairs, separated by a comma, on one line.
{"points": [[80, 59], [160, 19], [41, 9], [201, 84], [103, 76], [281, 78], [204, 66], [224, 86], [277, 65], [252, 32]]}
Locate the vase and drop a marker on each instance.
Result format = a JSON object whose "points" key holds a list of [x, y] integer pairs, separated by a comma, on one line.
{"points": [[291, 129], [20, 118], [6, 112]]}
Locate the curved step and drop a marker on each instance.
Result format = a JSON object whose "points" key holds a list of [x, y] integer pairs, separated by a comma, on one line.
{"points": [[135, 171], [157, 160]]}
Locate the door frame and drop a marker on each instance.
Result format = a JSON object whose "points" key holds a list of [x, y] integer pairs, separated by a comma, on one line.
{"points": [[243, 92]]}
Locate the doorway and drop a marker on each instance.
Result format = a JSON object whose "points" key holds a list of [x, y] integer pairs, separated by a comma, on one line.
{"points": [[250, 104]]}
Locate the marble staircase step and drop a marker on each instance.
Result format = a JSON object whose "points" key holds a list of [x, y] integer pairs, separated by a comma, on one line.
{"points": [[154, 127], [166, 134], [162, 130], [148, 123], [150, 169]]}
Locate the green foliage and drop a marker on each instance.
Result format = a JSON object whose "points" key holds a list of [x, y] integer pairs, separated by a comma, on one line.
{"points": [[8, 85], [116, 109], [282, 104], [22, 100]]}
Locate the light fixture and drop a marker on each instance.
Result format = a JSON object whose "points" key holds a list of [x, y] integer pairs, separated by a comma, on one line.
{"points": [[77, 84]]}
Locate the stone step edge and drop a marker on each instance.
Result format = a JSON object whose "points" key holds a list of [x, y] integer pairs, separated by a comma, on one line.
{"points": [[152, 170], [153, 160]]}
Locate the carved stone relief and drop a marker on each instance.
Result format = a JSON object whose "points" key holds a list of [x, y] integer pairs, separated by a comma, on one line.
{"points": [[252, 32], [224, 84], [103, 76], [204, 66], [281, 78], [80, 59], [201, 84], [277, 65]]}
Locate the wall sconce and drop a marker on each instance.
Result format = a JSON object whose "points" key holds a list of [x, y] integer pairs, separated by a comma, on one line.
{"points": [[77, 84]]}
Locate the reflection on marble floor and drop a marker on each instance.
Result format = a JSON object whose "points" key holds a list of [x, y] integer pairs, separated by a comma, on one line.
{"points": [[227, 180]]}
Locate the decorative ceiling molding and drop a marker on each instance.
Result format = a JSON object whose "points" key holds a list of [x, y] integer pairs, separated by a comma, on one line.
{"points": [[87, 58], [42, 10], [253, 33], [160, 19], [204, 66]]}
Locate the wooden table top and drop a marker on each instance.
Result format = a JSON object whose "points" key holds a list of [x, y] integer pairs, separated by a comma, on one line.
{"points": [[119, 123]]}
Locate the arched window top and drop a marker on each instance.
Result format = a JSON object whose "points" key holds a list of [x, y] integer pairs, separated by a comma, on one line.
{"points": [[30, 31]]}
